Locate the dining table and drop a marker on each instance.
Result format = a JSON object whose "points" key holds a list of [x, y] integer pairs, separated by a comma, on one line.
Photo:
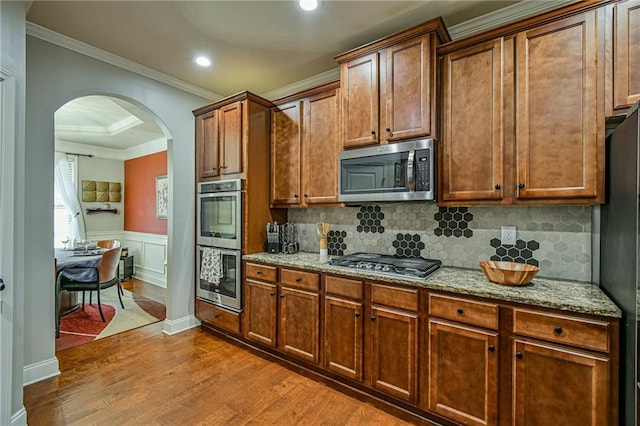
{"points": [[78, 265]]}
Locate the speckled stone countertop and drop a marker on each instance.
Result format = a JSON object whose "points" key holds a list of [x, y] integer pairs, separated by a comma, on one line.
{"points": [[564, 295]]}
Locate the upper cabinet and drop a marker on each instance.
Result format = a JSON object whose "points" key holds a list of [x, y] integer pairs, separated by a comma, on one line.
{"points": [[305, 141], [523, 116], [388, 87], [226, 131], [626, 55]]}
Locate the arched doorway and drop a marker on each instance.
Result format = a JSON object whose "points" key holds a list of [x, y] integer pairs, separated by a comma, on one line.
{"points": [[115, 151]]}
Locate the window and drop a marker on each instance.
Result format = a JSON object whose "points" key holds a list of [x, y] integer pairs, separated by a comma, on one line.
{"points": [[61, 216]]}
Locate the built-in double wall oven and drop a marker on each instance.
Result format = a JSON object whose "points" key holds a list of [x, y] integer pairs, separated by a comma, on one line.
{"points": [[219, 238]]}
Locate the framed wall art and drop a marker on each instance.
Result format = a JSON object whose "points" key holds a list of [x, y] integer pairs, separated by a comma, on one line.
{"points": [[162, 197]]}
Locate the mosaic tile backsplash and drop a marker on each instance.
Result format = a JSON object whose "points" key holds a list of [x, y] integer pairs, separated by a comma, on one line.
{"points": [[556, 238]]}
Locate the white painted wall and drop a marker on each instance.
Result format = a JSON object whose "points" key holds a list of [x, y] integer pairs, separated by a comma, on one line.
{"points": [[56, 75], [101, 169], [12, 59]]}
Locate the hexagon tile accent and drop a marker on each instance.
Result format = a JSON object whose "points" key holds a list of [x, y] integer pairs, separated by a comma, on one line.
{"points": [[521, 252], [335, 243], [453, 221], [408, 245], [370, 218]]}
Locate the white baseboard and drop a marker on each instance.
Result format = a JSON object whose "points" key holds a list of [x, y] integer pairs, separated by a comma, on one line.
{"points": [[172, 327], [151, 277], [40, 371], [19, 418]]}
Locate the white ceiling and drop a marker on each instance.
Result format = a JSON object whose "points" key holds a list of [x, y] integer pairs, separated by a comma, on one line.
{"points": [[254, 45], [261, 46]]}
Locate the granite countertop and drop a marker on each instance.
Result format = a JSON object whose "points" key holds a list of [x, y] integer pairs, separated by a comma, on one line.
{"points": [[559, 294]]}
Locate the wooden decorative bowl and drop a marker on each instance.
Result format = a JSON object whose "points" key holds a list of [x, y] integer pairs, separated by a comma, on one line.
{"points": [[508, 273]]}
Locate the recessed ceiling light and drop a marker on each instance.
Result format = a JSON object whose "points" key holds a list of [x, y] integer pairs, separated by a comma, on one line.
{"points": [[203, 61], [309, 4]]}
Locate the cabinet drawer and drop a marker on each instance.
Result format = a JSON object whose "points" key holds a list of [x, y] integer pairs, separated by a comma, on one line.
{"points": [[262, 272], [299, 279], [218, 317], [404, 298], [463, 310], [585, 333], [352, 289]]}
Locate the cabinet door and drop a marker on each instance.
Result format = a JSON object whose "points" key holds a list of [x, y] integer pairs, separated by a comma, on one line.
{"points": [[207, 141], [321, 144], [405, 109], [560, 110], [555, 385], [626, 50], [286, 136], [230, 135], [261, 305], [463, 373], [343, 321], [394, 352], [299, 323], [360, 96], [473, 133]]}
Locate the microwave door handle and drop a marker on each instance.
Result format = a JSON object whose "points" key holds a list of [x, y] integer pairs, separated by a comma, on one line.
{"points": [[410, 171]]}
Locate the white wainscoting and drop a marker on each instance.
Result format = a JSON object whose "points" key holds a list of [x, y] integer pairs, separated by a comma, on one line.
{"points": [[150, 256]]}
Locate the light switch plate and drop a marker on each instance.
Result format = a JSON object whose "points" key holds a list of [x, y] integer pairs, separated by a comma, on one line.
{"points": [[508, 235]]}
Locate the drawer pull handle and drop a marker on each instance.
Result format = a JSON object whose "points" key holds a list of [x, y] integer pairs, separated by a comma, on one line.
{"points": [[216, 316], [298, 279], [373, 317], [557, 330], [519, 355], [258, 272], [272, 294], [357, 314], [497, 186], [492, 348], [460, 311]]}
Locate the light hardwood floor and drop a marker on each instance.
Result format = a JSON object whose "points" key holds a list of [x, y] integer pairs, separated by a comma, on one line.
{"points": [[143, 377], [145, 289]]}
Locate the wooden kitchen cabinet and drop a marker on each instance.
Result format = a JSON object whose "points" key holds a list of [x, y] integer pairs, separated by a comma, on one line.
{"points": [[207, 145], [298, 327], [626, 55], [343, 327], [388, 87], [261, 308], [547, 146], [472, 148], [463, 373], [556, 385], [305, 142]]}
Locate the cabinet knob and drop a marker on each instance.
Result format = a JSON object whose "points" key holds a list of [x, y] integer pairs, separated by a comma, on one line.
{"points": [[216, 316], [258, 272], [373, 317], [519, 355], [213, 168], [298, 279], [357, 314], [373, 132], [389, 131], [306, 195], [282, 296], [557, 330], [295, 195], [497, 186], [521, 185], [492, 348], [460, 311], [272, 294]]}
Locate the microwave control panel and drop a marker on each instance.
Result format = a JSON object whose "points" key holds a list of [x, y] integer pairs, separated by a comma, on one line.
{"points": [[423, 170]]}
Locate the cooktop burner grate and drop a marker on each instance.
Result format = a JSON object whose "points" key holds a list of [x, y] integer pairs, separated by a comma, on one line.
{"points": [[385, 264]]}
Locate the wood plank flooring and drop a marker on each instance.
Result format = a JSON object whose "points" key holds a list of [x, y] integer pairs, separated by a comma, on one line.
{"points": [[145, 289], [143, 377]]}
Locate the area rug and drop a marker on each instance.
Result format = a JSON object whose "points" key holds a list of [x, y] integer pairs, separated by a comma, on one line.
{"points": [[85, 326]]}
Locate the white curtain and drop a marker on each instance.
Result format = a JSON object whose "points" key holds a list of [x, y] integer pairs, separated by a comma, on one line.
{"points": [[67, 191]]}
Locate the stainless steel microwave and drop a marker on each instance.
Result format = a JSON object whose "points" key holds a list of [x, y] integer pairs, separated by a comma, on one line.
{"points": [[395, 172]]}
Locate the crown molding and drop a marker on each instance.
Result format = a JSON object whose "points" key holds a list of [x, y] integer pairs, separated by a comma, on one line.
{"points": [[148, 148], [307, 83], [115, 60], [502, 16]]}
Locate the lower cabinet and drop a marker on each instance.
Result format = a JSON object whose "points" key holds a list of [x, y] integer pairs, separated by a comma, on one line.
{"points": [[463, 373], [298, 327], [343, 337], [260, 305], [394, 352]]}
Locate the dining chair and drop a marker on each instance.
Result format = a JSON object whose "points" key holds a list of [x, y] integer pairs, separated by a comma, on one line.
{"points": [[107, 277], [108, 244]]}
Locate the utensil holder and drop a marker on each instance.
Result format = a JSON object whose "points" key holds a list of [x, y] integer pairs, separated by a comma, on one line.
{"points": [[324, 253]]}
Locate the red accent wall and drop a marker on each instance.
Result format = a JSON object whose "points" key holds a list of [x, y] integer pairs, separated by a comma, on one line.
{"points": [[140, 193]]}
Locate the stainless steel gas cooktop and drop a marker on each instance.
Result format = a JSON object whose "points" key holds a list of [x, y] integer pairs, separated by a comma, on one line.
{"points": [[416, 267]]}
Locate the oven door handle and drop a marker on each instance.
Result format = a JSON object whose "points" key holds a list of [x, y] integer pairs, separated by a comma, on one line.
{"points": [[410, 179]]}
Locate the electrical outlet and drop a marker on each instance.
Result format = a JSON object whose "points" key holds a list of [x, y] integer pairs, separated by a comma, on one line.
{"points": [[508, 235]]}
